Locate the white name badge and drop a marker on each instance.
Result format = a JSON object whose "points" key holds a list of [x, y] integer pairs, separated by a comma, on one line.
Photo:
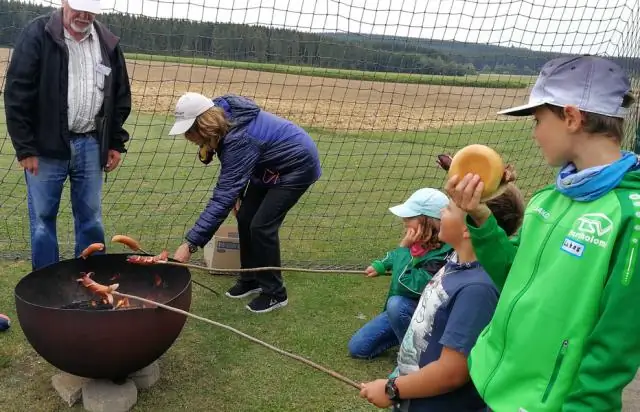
{"points": [[103, 70]]}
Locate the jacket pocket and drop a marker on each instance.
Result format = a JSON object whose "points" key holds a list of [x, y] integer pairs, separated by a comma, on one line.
{"points": [[408, 282], [556, 369]]}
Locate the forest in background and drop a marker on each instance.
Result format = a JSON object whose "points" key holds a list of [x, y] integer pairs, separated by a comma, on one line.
{"points": [[259, 44]]}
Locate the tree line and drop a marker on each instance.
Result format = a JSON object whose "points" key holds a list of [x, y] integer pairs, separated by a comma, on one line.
{"points": [[242, 42]]}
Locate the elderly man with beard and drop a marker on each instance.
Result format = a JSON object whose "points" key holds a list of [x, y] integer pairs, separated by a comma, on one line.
{"points": [[66, 99]]}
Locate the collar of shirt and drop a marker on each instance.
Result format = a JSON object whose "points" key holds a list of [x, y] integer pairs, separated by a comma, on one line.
{"points": [[90, 34]]}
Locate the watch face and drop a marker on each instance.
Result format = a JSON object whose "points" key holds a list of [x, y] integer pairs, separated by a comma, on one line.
{"points": [[391, 393]]}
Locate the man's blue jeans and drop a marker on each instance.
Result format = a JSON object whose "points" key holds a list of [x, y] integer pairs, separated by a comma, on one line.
{"points": [[44, 191], [385, 330]]}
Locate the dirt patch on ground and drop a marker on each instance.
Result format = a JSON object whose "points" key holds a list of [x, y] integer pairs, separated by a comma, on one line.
{"points": [[316, 101]]}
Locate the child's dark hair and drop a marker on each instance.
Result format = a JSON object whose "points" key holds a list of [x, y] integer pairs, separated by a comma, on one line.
{"points": [[598, 123], [508, 209]]}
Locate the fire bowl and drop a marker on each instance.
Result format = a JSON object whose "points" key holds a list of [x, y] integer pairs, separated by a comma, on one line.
{"points": [[92, 340]]}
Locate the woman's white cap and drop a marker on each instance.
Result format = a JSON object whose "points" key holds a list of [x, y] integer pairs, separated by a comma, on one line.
{"points": [[189, 106]]}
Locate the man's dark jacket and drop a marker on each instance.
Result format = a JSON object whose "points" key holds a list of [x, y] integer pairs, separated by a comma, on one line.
{"points": [[35, 96]]}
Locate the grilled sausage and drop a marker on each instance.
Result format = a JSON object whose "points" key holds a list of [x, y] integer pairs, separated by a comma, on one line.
{"points": [[127, 241], [92, 248]]}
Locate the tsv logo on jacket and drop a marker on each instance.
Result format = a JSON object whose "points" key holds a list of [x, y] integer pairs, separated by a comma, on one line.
{"points": [[590, 228]]}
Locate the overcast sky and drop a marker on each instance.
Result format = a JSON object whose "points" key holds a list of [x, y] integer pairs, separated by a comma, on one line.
{"points": [[572, 26]]}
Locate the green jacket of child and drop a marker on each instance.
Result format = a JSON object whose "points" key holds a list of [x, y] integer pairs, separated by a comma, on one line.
{"points": [[565, 335], [409, 275]]}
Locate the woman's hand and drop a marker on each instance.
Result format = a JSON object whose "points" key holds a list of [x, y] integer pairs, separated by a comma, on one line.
{"points": [[236, 207], [182, 253]]}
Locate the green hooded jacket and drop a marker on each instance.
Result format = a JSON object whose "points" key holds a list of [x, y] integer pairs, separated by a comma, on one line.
{"points": [[565, 335], [410, 275]]}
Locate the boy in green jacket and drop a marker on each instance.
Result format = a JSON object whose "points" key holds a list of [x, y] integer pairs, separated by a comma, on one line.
{"points": [[419, 256], [565, 335]]}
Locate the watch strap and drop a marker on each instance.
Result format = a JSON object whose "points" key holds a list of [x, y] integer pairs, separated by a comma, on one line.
{"points": [[392, 390], [192, 248]]}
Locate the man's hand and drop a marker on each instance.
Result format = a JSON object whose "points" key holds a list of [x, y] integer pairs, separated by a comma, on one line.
{"points": [[466, 194], [412, 236], [30, 164], [375, 393], [370, 272], [182, 253], [113, 159]]}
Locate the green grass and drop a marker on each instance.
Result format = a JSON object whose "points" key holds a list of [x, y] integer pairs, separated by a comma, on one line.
{"points": [[209, 368], [156, 195], [479, 80], [161, 188]]}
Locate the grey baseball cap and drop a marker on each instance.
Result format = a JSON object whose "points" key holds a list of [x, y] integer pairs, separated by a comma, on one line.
{"points": [[591, 83]]}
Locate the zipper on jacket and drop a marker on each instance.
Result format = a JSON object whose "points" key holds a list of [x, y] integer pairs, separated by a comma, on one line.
{"points": [[517, 298], [404, 271], [631, 260], [556, 370]]}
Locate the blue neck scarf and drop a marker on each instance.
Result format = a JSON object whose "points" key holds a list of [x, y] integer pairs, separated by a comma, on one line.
{"points": [[594, 182]]}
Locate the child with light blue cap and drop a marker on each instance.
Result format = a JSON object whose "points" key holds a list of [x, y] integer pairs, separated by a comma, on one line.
{"points": [[411, 265]]}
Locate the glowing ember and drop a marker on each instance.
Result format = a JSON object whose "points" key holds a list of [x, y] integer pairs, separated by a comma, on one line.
{"points": [[122, 303]]}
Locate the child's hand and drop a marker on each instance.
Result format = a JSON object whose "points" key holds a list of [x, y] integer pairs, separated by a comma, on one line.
{"points": [[370, 272], [466, 194], [375, 393], [412, 236]]}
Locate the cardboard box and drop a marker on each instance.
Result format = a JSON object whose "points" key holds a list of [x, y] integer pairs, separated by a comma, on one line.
{"points": [[223, 251]]}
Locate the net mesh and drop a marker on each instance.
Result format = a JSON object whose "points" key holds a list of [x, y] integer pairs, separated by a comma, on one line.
{"points": [[383, 87]]}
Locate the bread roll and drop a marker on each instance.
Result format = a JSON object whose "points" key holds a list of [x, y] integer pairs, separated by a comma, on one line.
{"points": [[481, 160]]}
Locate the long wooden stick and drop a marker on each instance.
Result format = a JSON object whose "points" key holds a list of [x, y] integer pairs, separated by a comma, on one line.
{"points": [[260, 269], [134, 245], [244, 335]]}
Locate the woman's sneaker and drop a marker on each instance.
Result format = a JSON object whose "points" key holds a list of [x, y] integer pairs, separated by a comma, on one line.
{"points": [[242, 290], [264, 303]]}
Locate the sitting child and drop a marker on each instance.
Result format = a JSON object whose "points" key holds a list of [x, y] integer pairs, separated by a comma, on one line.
{"points": [[432, 373], [419, 256]]}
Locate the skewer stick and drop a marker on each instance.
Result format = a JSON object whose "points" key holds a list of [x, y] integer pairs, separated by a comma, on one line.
{"points": [[134, 245], [244, 335], [260, 269]]}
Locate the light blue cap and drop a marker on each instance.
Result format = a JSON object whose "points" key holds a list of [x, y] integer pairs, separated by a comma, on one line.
{"points": [[591, 83], [427, 201]]}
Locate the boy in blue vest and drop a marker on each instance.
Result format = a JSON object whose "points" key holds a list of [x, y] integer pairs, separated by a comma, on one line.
{"points": [[455, 306]]}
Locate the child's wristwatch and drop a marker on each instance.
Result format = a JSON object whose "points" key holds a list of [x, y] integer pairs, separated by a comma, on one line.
{"points": [[392, 390]]}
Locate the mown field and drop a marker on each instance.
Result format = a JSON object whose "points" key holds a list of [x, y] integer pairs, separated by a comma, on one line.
{"points": [[160, 188], [479, 80], [377, 140]]}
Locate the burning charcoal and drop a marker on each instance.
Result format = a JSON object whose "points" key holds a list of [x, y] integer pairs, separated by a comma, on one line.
{"points": [[123, 303], [87, 305]]}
